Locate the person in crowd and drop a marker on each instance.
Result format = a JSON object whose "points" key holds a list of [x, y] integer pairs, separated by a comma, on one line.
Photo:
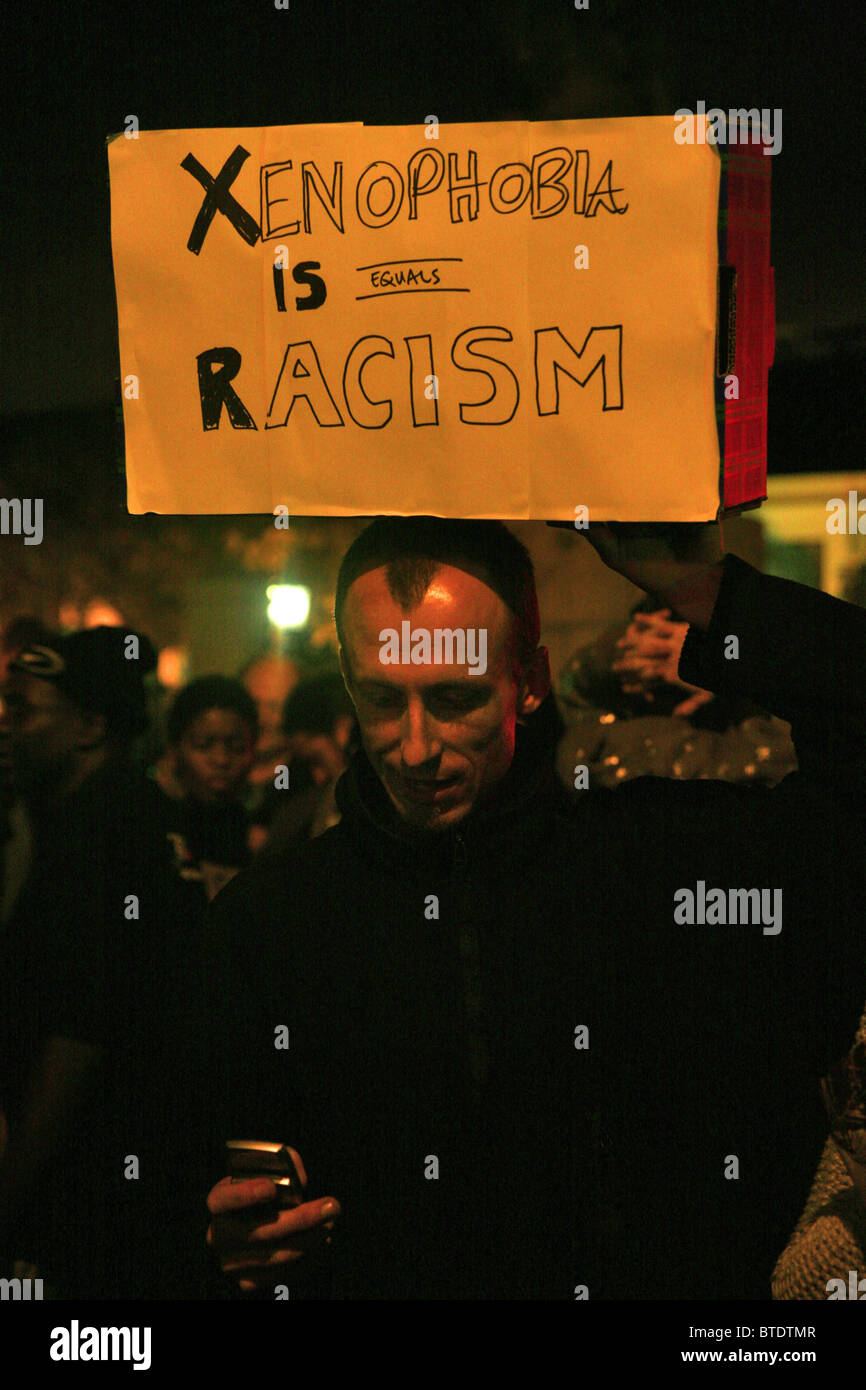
{"points": [[269, 679], [19, 634], [212, 731], [16, 835], [100, 937], [828, 1246], [628, 713], [319, 726], [829, 1240], [527, 1050]]}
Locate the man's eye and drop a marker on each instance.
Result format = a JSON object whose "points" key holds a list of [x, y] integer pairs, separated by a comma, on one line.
{"points": [[456, 700], [382, 701], [462, 697]]}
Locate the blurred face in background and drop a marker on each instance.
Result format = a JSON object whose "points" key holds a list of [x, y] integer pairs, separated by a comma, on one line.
{"points": [[40, 732], [323, 754], [214, 756], [270, 681]]}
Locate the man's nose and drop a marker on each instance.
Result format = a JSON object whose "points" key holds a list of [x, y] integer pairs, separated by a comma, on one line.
{"points": [[418, 743]]}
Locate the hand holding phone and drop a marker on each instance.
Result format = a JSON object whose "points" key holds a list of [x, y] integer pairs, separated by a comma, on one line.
{"points": [[261, 1221], [256, 1158]]}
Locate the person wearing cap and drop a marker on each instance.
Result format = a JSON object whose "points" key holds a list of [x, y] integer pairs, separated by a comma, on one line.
{"points": [[86, 1022], [16, 840]]}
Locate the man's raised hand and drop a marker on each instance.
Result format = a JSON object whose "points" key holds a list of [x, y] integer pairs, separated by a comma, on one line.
{"points": [[680, 562]]}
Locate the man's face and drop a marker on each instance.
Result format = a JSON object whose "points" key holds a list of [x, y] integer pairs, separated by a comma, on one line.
{"points": [[42, 729], [438, 737]]}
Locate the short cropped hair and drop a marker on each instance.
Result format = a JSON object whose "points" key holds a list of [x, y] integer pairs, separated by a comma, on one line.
{"points": [[211, 692], [414, 548]]}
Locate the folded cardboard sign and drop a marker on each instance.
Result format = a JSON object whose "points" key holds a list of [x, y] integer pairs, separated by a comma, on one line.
{"points": [[502, 319]]}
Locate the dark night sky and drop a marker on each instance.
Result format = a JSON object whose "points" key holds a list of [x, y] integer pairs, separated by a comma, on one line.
{"points": [[74, 73]]}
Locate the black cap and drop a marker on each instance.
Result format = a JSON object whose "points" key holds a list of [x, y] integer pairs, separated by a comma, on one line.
{"points": [[101, 670]]}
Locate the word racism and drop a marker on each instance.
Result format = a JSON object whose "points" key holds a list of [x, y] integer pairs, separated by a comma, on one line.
{"points": [[556, 179], [76, 1343], [419, 647], [301, 378], [737, 906]]}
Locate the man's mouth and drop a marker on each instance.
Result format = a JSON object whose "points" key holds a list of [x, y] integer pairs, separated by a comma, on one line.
{"points": [[425, 790]]}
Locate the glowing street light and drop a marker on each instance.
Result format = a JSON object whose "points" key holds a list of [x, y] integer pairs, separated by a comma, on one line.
{"points": [[288, 605]]}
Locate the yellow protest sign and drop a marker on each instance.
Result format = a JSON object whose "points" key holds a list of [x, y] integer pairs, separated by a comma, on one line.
{"points": [[500, 319]]}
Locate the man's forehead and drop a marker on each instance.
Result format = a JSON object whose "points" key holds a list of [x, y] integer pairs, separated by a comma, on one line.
{"points": [[454, 598]]}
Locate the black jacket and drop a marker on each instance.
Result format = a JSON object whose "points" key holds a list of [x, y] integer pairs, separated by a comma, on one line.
{"points": [[101, 949], [433, 988]]}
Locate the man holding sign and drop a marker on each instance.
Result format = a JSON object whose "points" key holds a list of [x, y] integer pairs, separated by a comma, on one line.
{"points": [[530, 1050]]}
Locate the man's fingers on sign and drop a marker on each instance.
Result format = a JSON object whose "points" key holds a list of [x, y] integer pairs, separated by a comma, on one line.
{"points": [[653, 554]]}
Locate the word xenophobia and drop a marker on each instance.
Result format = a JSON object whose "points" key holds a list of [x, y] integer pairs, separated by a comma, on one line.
{"points": [[555, 179]]}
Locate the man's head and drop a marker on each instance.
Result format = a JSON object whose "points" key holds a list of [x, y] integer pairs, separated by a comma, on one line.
{"points": [[19, 634], [439, 734], [71, 703]]}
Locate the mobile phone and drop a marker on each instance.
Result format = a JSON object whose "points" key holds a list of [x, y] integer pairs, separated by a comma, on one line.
{"points": [[256, 1158]]}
